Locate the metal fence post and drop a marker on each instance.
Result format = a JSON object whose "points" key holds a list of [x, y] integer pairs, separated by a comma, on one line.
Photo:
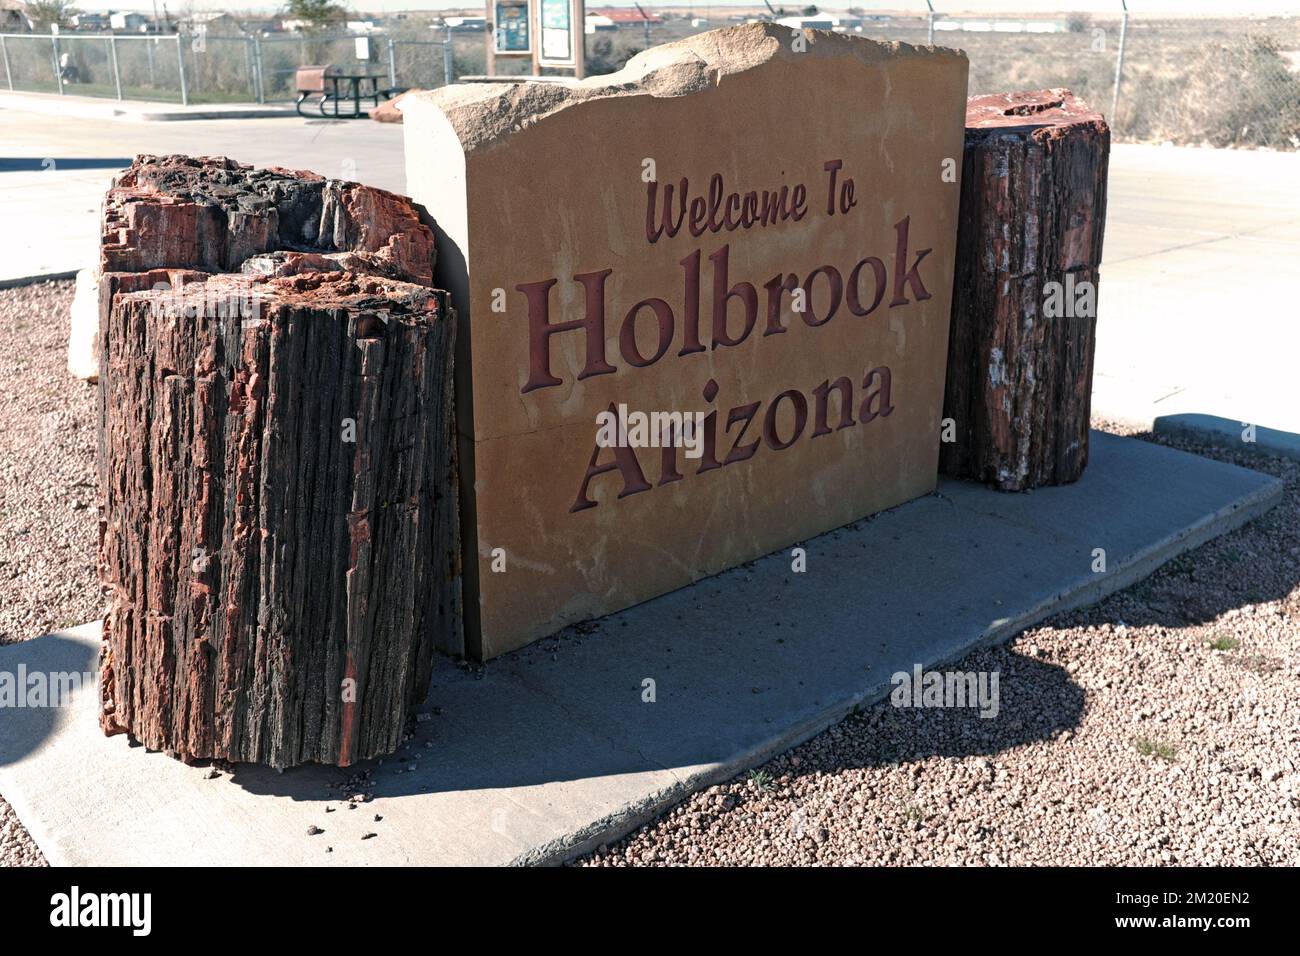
{"points": [[180, 61], [248, 67], [448, 61], [112, 55], [1119, 66], [9, 77], [392, 62], [257, 67], [58, 70], [930, 21]]}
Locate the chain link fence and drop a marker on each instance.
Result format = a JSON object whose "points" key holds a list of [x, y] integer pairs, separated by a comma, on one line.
{"points": [[196, 68], [1218, 80], [1203, 78]]}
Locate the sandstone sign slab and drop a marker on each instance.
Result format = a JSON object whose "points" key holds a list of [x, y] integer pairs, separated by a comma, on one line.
{"points": [[751, 229]]}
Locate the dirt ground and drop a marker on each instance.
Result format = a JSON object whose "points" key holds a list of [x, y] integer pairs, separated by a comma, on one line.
{"points": [[1156, 727]]}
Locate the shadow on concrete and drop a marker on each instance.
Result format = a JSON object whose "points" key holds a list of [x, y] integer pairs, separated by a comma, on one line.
{"points": [[58, 663], [25, 164], [1036, 701]]}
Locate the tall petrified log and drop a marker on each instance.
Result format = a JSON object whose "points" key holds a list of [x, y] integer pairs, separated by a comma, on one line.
{"points": [[276, 530], [1033, 210], [277, 475]]}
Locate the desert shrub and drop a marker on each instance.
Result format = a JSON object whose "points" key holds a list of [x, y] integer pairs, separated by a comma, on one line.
{"points": [[1233, 92], [605, 55]]}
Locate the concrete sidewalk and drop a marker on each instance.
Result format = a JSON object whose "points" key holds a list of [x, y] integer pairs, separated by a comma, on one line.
{"points": [[139, 111], [550, 751]]}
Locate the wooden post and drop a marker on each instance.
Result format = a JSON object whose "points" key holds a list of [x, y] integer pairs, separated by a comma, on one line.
{"points": [[277, 478], [1033, 211]]}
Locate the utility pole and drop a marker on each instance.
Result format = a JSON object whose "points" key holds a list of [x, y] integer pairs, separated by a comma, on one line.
{"points": [[1119, 64], [645, 19]]}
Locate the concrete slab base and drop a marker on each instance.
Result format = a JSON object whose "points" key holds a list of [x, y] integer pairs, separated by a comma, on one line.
{"points": [[550, 751]]}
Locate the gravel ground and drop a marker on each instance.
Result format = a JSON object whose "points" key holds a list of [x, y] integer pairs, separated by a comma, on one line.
{"points": [[1156, 727], [47, 483], [48, 531]]}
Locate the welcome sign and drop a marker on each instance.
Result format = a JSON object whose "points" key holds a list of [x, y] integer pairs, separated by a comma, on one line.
{"points": [[705, 307]]}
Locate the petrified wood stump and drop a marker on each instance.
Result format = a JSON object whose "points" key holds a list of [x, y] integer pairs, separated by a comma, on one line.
{"points": [[1033, 209], [214, 214], [277, 476]]}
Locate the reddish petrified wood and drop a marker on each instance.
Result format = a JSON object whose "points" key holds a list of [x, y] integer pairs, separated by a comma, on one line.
{"points": [[213, 214], [279, 533], [1033, 210]]}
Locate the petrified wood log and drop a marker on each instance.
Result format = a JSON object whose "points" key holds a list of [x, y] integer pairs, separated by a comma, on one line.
{"points": [[213, 214], [279, 518], [279, 534], [1033, 210]]}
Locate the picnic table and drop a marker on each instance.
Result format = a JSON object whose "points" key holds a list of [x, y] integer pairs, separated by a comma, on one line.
{"points": [[344, 91]]}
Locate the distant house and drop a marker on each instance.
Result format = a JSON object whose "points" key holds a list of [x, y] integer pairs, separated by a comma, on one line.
{"points": [[89, 21], [130, 22], [256, 24], [307, 26], [214, 25], [1002, 26], [466, 24], [599, 23], [13, 17], [627, 17], [820, 21]]}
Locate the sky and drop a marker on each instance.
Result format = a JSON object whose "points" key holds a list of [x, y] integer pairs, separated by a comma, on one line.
{"points": [[1226, 7]]}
